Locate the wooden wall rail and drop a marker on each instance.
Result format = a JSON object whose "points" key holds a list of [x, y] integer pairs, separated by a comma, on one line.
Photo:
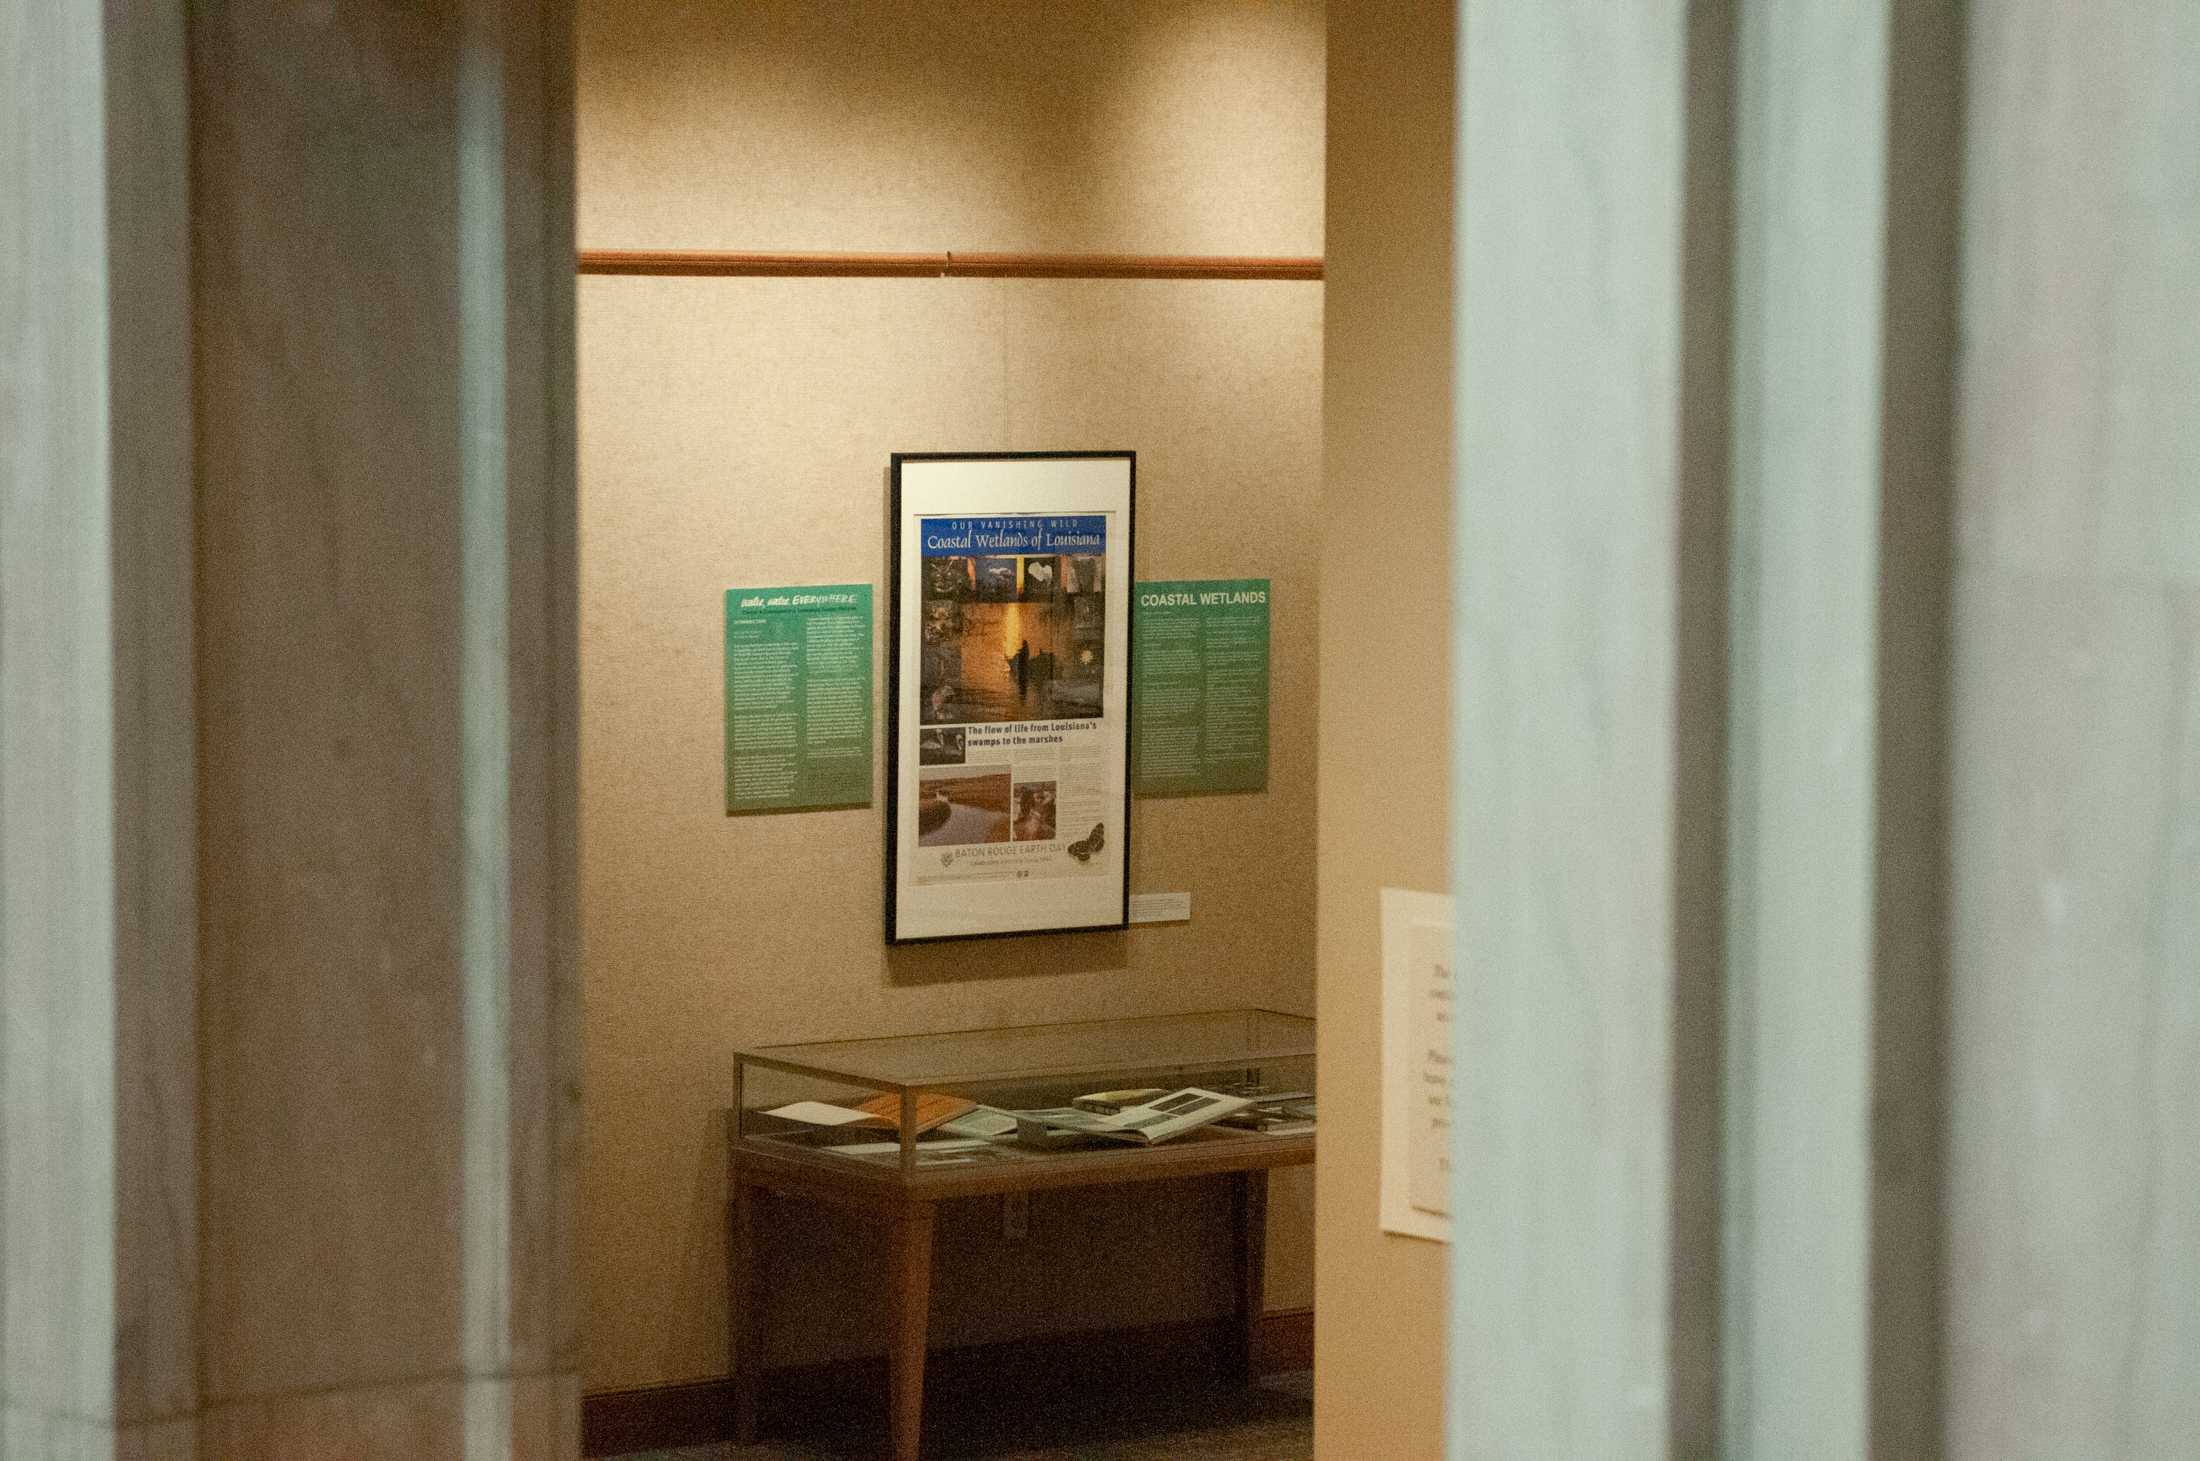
{"points": [[707, 264]]}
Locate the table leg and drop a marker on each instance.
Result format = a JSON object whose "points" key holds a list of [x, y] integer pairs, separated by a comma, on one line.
{"points": [[1249, 1200], [744, 1309], [912, 1243]]}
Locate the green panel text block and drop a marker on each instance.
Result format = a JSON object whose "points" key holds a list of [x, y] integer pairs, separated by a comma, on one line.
{"points": [[798, 698], [1200, 697]]}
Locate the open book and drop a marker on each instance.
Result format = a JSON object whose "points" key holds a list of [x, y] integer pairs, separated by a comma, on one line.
{"points": [[933, 1109], [1156, 1120]]}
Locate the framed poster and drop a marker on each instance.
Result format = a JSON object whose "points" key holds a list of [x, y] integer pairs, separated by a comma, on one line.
{"points": [[1008, 710]]}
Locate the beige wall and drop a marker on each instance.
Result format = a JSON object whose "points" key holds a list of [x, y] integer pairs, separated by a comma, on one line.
{"points": [[737, 432], [1384, 773], [1112, 126]]}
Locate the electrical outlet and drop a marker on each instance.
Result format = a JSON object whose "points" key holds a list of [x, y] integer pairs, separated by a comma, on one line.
{"points": [[1015, 1215]]}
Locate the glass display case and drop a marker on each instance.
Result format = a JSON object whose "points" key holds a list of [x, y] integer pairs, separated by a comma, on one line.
{"points": [[892, 1128], [1004, 1108]]}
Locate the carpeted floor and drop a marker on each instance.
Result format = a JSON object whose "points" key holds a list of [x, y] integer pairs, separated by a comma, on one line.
{"points": [[1274, 1421]]}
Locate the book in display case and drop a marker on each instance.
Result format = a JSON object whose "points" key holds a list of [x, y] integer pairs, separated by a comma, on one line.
{"points": [[980, 1109]]}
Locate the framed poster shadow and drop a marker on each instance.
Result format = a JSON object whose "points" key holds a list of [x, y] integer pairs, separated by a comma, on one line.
{"points": [[1007, 956]]}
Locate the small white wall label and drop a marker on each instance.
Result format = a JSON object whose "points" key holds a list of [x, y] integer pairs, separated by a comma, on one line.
{"points": [[1417, 1063], [1161, 907]]}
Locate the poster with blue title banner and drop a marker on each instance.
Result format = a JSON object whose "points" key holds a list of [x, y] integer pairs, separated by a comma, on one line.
{"points": [[1009, 807]]}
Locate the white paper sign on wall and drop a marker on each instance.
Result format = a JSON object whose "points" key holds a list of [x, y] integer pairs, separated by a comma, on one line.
{"points": [[1417, 1063]]}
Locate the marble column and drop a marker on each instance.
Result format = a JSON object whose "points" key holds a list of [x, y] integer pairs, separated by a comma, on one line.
{"points": [[1706, 376], [1589, 559], [1846, 148], [288, 1023], [2074, 1081], [1958, 901], [382, 291], [98, 893]]}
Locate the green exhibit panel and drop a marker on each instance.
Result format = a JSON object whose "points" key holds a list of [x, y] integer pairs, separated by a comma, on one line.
{"points": [[1199, 706], [798, 698]]}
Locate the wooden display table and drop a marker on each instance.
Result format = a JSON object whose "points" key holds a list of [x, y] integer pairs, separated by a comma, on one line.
{"points": [[901, 1189]]}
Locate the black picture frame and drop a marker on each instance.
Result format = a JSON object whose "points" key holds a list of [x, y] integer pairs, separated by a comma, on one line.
{"points": [[1056, 896]]}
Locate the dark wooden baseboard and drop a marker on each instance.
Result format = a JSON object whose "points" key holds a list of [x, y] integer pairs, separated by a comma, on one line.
{"points": [[1057, 1366]]}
